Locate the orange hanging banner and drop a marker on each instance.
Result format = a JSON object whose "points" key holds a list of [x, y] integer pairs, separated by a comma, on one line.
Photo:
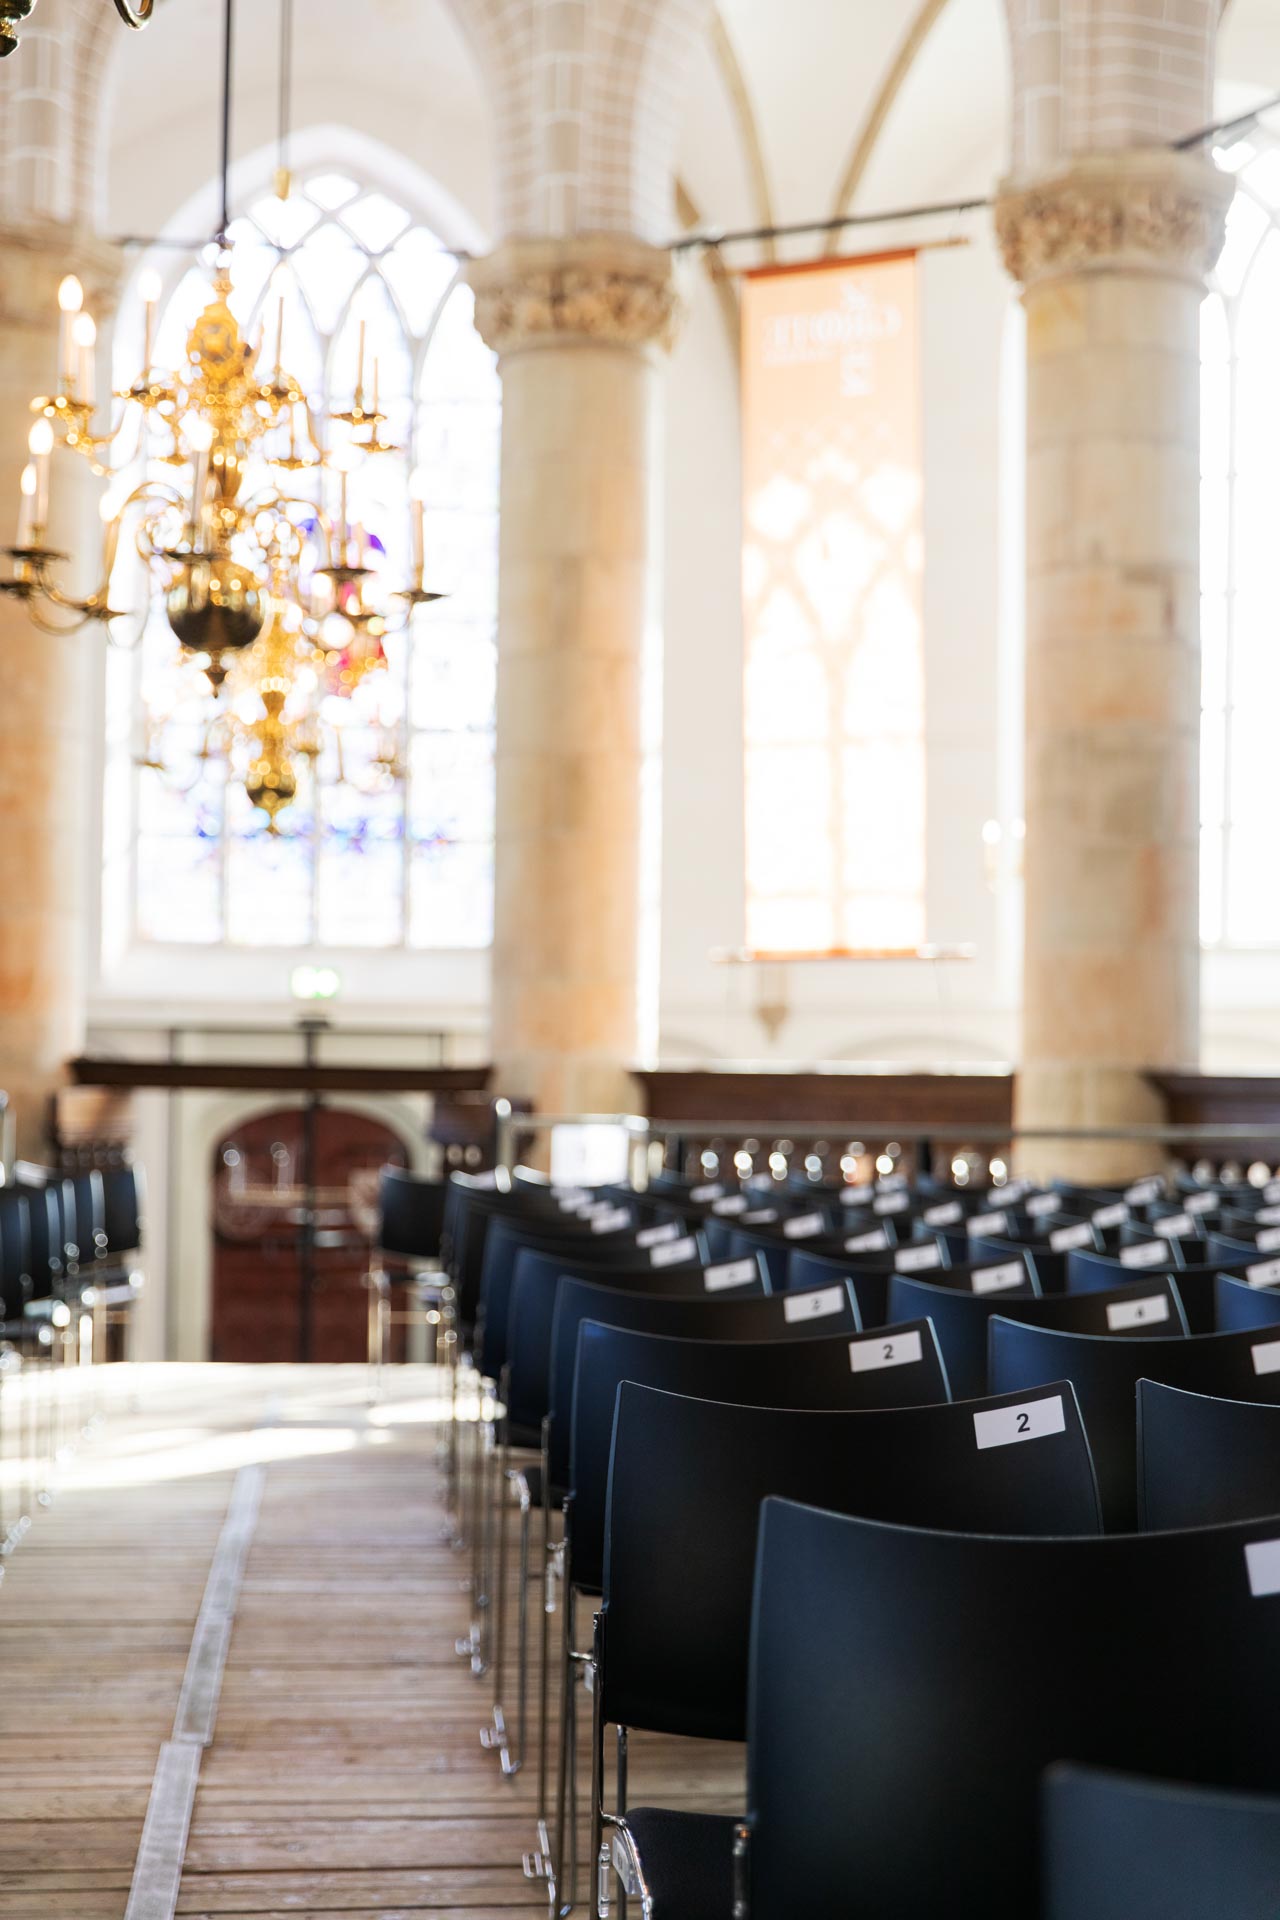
{"points": [[832, 558]]}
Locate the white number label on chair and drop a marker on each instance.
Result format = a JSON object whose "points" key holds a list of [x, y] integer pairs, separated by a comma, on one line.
{"points": [[611, 1221], [889, 1181], [712, 1192], [1266, 1358], [1043, 1203], [1147, 1253], [1005, 1426], [945, 1215], [1174, 1225], [803, 1226], [655, 1236], [736, 1203], [674, 1252], [1144, 1190], [733, 1273], [885, 1350], [571, 1197], [1122, 1314], [1265, 1274], [1201, 1202], [916, 1259], [1272, 1191], [817, 1305], [762, 1217], [1267, 1216], [856, 1196], [988, 1223], [1011, 1273], [1062, 1239], [892, 1203], [1114, 1215], [876, 1241], [1262, 1560], [1268, 1240]]}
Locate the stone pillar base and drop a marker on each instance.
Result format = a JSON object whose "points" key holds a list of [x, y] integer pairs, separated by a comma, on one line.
{"points": [[1086, 1096]]}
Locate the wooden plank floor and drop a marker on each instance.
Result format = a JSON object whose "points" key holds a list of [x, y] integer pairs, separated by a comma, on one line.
{"points": [[345, 1775]]}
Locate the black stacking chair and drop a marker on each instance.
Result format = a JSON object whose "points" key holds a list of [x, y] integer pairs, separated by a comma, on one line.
{"points": [[868, 1274], [525, 1391], [406, 1260], [1202, 1459], [1238, 1304], [628, 1296], [122, 1203], [898, 1367], [686, 1482], [1105, 1373], [961, 1319], [1119, 1848], [1095, 1272], [909, 1688]]}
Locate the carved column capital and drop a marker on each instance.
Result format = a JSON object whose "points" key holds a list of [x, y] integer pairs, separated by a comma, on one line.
{"points": [[1144, 210], [600, 290]]}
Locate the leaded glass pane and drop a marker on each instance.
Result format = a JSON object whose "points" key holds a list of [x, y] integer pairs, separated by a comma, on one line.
{"points": [[401, 850]]}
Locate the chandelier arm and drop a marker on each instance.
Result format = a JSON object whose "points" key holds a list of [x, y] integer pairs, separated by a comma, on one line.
{"points": [[59, 627], [137, 15]]}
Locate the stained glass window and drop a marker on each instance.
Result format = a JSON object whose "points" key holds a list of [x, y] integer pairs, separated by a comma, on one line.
{"points": [[1240, 556], [368, 861]]}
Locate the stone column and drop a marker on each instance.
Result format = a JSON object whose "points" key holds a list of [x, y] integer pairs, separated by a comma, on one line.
{"points": [[1112, 255], [578, 326], [47, 822]]}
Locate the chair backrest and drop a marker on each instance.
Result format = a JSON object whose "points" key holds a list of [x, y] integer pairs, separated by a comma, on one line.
{"points": [[724, 1316], [15, 1248], [869, 1275], [410, 1214], [1120, 1848], [567, 1250], [900, 1367], [1101, 1273], [960, 1319], [90, 1215], [536, 1278], [48, 1258], [908, 1689], [686, 1481], [1238, 1304], [123, 1200], [1204, 1459], [1105, 1372]]}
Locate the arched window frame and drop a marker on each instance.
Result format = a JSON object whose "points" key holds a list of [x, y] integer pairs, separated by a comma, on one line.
{"points": [[1239, 898], [318, 151]]}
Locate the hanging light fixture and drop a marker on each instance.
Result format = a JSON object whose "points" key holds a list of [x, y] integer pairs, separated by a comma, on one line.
{"points": [[14, 12], [268, 582]]}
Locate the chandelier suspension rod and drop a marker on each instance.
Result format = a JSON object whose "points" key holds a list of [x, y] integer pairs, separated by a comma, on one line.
{"points": [[286, 90], [224, 219]]}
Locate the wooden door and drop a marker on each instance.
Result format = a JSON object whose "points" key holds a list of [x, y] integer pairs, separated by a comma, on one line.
{"points": [[261, 1257]]}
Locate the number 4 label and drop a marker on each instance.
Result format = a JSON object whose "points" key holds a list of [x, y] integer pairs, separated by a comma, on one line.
{"points": [[1005, 1426]]}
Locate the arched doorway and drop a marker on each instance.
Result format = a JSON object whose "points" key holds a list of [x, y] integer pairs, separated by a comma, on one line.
{"points": [[293, 1220]]}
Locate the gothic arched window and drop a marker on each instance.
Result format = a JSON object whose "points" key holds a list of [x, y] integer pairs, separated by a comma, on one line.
{"points": [[364, 862], [1240, 559]]}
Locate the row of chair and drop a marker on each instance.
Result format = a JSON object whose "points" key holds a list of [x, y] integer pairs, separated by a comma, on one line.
{"points": [[673, 1397], [69, 1244]]}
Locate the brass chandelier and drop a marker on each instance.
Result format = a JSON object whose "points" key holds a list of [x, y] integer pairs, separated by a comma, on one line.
{"points": [[14, 12], [263, 584]]}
